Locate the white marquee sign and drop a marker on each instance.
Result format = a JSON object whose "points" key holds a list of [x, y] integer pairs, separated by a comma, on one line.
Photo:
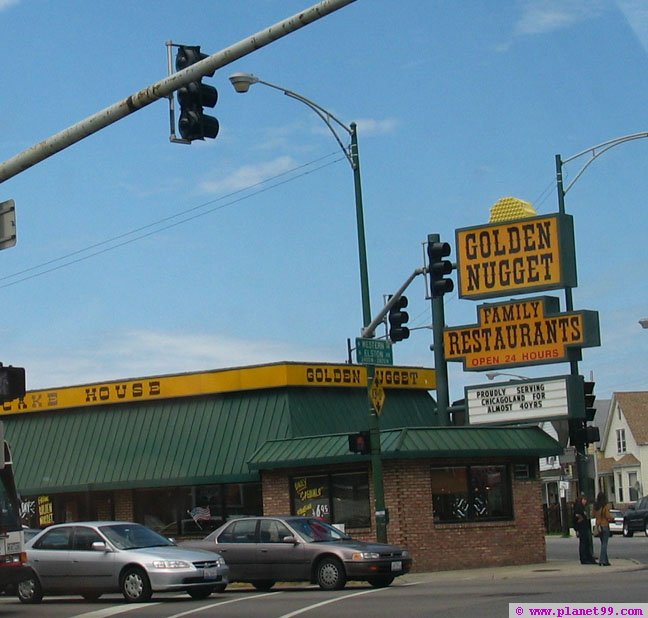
{"points": [[518, 401]]}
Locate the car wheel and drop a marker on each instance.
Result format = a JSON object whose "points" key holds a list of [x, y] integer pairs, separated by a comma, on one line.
{"points": [[200, 593], [381, 582], [91, 596], [626, 531], [263, 585], [30, 591], [135, 586], [330, 574]]}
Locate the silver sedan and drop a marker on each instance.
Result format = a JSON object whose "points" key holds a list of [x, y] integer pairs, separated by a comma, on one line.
{"points": [[95, 558]]}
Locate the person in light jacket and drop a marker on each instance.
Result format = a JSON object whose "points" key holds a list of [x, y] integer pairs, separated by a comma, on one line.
{"points": [[603, 518]]}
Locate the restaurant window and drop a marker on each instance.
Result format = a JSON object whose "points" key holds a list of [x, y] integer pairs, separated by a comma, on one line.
{"points": [[341, 498], [195, 510], [471, 493]]}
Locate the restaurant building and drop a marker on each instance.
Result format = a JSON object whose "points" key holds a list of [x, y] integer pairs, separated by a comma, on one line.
{"points": [[183, 453]]}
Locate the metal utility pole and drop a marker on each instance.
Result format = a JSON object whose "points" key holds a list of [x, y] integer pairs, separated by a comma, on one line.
{"points": [[164, 88]]}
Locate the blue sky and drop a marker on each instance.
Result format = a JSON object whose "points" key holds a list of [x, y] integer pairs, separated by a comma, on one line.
{"points": [[139, 257]]}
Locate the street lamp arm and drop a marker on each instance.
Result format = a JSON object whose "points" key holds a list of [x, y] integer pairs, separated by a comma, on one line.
{"points": [[324, 114], [597, 151]]}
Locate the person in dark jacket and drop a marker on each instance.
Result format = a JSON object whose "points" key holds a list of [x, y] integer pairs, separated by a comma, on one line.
{"points": [[583, 529]]}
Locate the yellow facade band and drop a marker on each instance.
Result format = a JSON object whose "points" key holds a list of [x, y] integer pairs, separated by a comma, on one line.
{"points": [[219, 381]]}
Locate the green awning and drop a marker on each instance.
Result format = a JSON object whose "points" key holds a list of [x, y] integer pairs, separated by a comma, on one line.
{"points": [[186, 441], [409, 443]]}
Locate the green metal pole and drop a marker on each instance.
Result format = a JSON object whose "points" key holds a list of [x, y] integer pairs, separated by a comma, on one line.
{"points": [[580, 446], [362, 244], [440, 363], [374, 420]]}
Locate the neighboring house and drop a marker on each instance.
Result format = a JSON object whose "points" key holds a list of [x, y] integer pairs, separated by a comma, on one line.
{"points": [[622, 458]]}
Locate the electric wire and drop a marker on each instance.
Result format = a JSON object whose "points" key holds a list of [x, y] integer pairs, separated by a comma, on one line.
{"points": [[164, 220]]}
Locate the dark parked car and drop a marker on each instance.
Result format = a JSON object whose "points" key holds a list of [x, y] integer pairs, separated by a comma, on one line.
{"points": [[635, 519], [265, 550], [94, 558]]}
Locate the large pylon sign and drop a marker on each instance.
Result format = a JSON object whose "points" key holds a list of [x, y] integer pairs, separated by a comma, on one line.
{"points": [[531, 331], [527, 255]]}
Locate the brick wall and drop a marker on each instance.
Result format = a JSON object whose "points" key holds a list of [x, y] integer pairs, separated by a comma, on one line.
{"points": [[436, 547], [124, 505]]}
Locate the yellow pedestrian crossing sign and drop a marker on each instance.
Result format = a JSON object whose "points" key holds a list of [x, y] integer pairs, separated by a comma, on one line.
{"points": [[377, 396]]}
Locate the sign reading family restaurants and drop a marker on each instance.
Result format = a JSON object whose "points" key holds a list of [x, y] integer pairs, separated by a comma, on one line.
{"points": [[526, 332], [515, 257], [524, 400]]}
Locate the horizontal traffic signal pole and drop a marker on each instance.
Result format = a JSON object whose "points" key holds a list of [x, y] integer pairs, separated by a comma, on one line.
{"points": [[162, 89]]}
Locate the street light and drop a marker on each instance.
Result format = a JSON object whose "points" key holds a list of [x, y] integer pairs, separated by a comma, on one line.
{"points": [[594, 152], [494, 374], [242, 83]]}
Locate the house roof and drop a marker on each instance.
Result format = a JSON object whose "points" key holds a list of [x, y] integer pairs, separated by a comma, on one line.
{"points": [[606, 465], [409, 443], [634, 406], [187, 440]]}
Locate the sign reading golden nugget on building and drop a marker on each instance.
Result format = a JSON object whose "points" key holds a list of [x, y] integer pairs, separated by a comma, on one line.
{"points": [[526, 332], [515, 257], [219, 381]]}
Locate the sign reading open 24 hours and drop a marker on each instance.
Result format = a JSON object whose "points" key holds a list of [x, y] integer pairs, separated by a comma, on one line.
{"points": [[520, 401], [531, 331], [517, 257]]}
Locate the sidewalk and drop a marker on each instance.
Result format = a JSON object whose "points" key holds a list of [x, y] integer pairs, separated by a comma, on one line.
{"points": [[551, 568]]}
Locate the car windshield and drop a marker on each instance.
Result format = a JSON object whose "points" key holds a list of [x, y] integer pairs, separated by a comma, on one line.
{"points": [[317, 530], [133, 536]]}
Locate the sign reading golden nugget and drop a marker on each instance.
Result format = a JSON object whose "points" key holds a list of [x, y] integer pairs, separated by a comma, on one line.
{"points": [[515, 257], [219, 381], [528, 332]]}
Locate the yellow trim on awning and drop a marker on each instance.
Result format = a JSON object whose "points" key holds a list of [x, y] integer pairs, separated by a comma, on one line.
{"points": [[219, 381]]}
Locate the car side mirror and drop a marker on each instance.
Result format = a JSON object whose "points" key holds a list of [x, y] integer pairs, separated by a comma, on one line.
{"points": [[99, 546], [289, 539]]}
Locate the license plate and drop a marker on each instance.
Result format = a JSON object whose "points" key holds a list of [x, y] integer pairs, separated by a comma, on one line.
{"points": [[397, 565], [210, 573]]}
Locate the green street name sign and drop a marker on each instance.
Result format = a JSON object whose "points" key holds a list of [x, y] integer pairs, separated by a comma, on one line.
{"points": [[373, 352]]}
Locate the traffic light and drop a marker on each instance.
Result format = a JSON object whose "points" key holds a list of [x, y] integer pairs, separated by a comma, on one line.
{"points": [[12, 383], [397, 319], [590, 410], [360, 443], [192, 97], [438, 267], [581, 433]]}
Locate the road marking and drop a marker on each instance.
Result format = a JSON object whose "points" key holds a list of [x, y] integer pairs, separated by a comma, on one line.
{"points": [[204, 607], [316, 605], [111, 611]]}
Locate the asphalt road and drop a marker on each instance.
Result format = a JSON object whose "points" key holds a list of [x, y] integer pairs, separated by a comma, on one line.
{"points": [[456, 594], [635, 548]]}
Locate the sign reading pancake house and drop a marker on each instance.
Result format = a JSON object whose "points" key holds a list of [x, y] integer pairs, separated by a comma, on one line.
{"points": [[515, 257]]}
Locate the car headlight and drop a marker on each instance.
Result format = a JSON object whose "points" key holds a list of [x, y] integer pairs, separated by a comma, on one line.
{"points": [[171, 564], [405, 554], [219, 562], [365, 555]]}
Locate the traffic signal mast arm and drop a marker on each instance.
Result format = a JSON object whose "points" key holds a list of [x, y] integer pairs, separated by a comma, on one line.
{"points": [[370, 330], [164, 88]]}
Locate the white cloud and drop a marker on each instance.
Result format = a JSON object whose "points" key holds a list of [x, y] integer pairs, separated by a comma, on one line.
{"points": [[248, 175], [147, 353], [540, 16], [5, 4], [636, 12], [371, 126]]}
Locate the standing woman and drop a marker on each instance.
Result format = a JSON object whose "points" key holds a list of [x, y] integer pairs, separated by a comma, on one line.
{"points": [[603, 518]]}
